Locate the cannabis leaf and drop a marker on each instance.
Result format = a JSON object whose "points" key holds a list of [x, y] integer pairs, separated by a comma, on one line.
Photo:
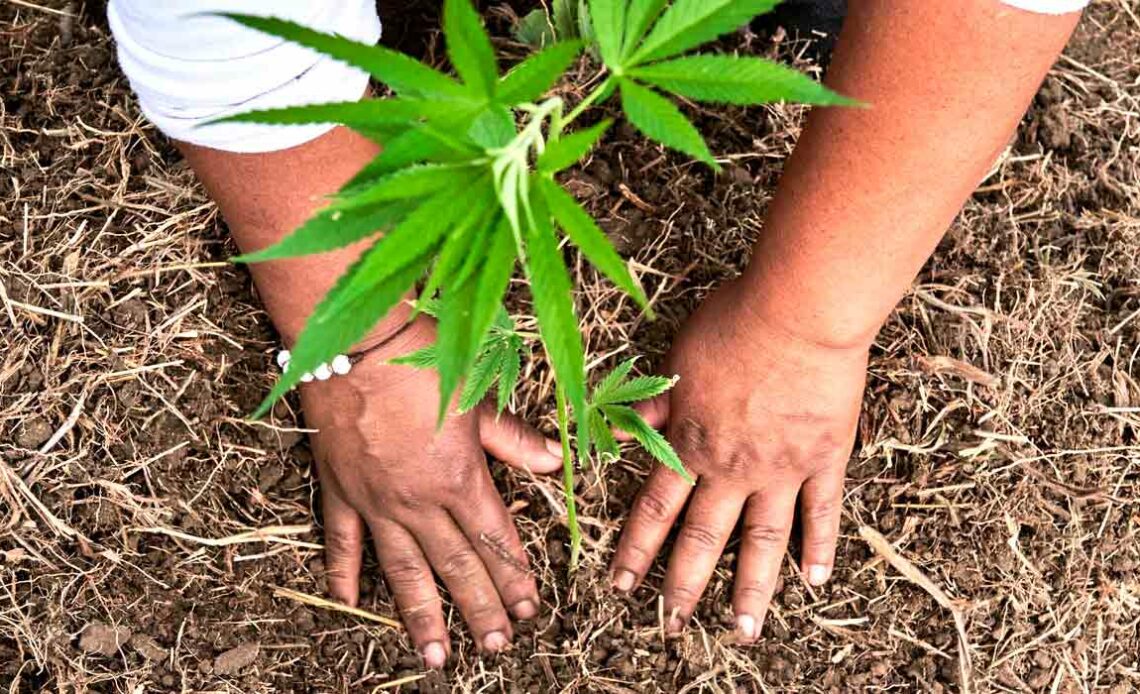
{"points": [[608, 408]]}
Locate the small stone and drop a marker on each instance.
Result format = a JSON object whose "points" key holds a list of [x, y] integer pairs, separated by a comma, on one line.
{"points": [[322, 372], [307, 378], [237, 659], [148, 647], [33, 432], [283, 358], [99, 639], [341, 365]]}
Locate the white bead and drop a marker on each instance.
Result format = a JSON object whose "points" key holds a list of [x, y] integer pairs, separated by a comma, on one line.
{"points": [[283, 358], [306, 378], [341, 364], [322, 372]]}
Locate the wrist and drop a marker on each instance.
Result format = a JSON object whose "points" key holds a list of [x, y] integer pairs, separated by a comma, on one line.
{"points": [[793, 308]]}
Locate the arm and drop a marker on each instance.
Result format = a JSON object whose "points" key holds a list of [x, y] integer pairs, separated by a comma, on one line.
{"points": [[773, 364], [424, 494]]}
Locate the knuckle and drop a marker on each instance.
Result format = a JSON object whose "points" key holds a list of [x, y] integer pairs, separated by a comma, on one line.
{"points": [[651, 506], [823, 510], [460, 564], [683, 594], [341, 544], [403, 574], [754, 591], [703, 536], [764, 534]]}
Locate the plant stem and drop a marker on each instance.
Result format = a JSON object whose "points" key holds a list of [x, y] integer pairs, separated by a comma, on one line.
{"points": [[568, 478], [588, 101]]}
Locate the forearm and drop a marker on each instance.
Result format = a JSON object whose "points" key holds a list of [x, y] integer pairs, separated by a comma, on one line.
{"points": [[869, 192], [265, 196]]}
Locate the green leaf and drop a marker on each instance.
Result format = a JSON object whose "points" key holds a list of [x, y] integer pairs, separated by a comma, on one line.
{"points": [[569, 149], [403, 74], [410, 147], [468, 310], [466, 241], [628, 420], [635, 390], [591, 240], [531, 78], [603, 437], [566, 18], [639, 15], [350, 309], [608, 19], [422, 358], [509, 373], [493, 128], [552, 291], [660, 120], [363, 114], [417, 235], [411, 182], [534, 29], [481, 378], [469, 47], [689, 23], [735, 80], [330, 229], [611, 380]]}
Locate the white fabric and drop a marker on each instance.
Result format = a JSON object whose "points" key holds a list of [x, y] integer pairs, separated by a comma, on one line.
{"points": [[188, 68], [1049, 6]]}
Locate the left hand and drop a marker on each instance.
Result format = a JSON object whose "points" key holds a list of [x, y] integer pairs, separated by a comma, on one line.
{"points": [[760, 416]]}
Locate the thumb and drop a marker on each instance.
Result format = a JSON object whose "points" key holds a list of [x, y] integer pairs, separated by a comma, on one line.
{"points": [[516, 443], [655, 412]]}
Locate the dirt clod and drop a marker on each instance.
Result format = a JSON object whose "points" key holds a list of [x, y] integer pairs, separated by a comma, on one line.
{"points": [[100, 639], [147, 647], [237, 659], [33, 432]]}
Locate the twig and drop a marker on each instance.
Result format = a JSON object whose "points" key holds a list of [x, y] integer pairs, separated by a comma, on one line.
{"points": [[274, 533], [68, 423], [912, 573], [316, 601]]}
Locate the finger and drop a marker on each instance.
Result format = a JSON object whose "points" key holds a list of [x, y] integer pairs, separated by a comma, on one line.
{"points": [[654, 511], [344, 544], [763, 540], [516, 443], [455, 560], [655, 412], [821, 505], [489, 528], [413, 587], [700, 542]]}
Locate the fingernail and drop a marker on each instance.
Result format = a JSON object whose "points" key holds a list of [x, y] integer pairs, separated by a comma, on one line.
{"points": [[817, 574], [676, 624], [624, 580], [435, 655], [494, 642], [525, 609], [555, 448], [746, 626]]}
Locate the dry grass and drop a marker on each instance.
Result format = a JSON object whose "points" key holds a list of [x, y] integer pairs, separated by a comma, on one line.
{"points": [[998, 447]]}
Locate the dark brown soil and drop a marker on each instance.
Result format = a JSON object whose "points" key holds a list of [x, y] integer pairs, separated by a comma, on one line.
{"points": [[997, 448]]}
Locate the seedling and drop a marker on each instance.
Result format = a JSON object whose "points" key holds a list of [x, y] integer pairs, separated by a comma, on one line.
{"points": [[466, 185]]}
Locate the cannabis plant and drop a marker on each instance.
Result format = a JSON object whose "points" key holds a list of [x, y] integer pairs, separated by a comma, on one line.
{"points": [[466, 187]]}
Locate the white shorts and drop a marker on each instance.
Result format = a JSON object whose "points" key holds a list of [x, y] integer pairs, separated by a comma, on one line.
{"points": [[188, 69]]}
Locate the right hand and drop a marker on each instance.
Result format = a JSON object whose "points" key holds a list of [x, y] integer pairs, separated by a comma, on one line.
{"points": [[425, 495]]}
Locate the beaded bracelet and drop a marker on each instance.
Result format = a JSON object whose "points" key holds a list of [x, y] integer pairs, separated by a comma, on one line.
{"points": [[340, 365]]}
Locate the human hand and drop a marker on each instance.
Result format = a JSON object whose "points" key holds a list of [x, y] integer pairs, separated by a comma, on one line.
{"points": [[426, 497], [759, 417]]}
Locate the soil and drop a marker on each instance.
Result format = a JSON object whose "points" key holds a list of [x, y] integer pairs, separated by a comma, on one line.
{"points": [[997, 449]]}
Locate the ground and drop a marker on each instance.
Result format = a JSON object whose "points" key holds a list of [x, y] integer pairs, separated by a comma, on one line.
{"points": [[997, 451]]}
